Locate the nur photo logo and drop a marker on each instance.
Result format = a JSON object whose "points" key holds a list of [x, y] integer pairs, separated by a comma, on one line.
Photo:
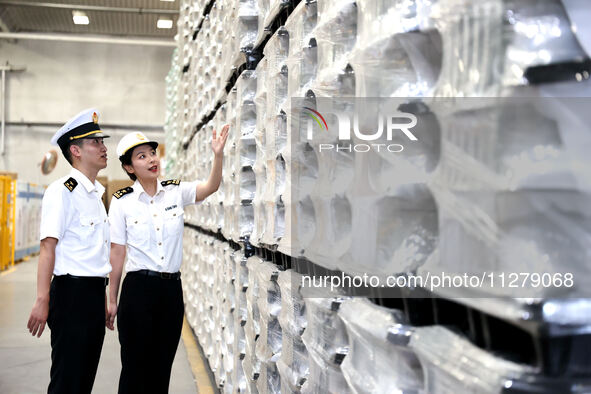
{"points": [[315, 115], [376, 132]]}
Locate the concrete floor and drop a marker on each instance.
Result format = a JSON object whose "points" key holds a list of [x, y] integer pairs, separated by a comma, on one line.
{"points": [[25, 360]]}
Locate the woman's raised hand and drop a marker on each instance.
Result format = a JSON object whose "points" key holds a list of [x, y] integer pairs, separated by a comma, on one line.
{"points": [[218, 143]]}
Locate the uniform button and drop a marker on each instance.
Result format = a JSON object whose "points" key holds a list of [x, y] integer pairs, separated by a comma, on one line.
{"points": [[91, 223], [162, 258], [159, 243], [157, 229], [174, 214], [151, 202], [155, 215], [105, 220], [135, 222]]}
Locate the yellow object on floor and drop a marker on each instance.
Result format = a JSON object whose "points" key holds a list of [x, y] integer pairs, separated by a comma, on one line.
{"points": [[204, 385], [7, 221]]}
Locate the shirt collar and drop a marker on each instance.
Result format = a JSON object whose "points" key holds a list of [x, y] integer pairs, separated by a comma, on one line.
{"points": [[88, 185], [137, 187]]}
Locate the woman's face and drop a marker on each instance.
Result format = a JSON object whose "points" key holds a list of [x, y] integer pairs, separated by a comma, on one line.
{"points": [[145, 163]]}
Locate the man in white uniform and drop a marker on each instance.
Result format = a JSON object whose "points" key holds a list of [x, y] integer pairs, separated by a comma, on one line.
{"points": [[75, 248]]}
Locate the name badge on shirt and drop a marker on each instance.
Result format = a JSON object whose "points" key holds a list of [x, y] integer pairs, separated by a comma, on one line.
{"points": [[171, 207]]}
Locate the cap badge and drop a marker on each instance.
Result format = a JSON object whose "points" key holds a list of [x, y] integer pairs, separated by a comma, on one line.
{"points": [[94, 117]]}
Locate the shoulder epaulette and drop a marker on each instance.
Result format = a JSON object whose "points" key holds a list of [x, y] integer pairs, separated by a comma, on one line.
{"points": [[171, 182], [71, 184], [121, 192]]}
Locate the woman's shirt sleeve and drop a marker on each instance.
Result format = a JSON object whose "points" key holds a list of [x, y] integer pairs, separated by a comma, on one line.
{"points": [[188, 192]]}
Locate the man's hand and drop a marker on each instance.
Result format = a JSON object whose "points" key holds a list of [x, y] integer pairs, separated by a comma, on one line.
{"points": [[38, 317], [218, 143], [40, 311], [111, 314]]}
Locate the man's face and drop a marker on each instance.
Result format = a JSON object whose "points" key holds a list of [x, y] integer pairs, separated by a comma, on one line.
{"points": [[93, 153]]}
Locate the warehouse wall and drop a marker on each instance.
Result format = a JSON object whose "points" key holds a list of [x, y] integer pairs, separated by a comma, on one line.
{"points": [[125, 82]]}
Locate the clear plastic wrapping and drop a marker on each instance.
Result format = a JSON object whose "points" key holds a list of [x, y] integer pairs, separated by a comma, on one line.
{"points": [[513, 208], [268, 345], [379, 249], [241, 284], [259, 166], [301, 63], [325, 336], [269, 382], [324, 378], [275, 7], [251, 363], [333, 225], [241, 27], [247, 28], [302, 179], [205, 68], [273, 201], [171, 123], [336, 34], [209, 276], [493, 186], [227, 350], [293, 309], [245, 154], [379, 358], [302, 57], [230, 170], [263, 30], [398, 52], [246, 121], [451, 364], [293, 364], [239, 379], [579, 13], [276, 52], [517, 36], [269, 304], [189, 278], [268, 12], [269, 294]]}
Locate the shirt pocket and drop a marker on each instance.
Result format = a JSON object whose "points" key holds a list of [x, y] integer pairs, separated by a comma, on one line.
{"points": [[89, 226], [173, 223], [138, 231]]}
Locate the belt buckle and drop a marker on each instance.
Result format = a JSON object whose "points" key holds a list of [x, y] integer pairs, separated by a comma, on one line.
{"points": [[166, 275]]}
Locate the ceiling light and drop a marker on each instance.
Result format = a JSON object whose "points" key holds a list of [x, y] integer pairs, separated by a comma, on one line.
{"points": [[80, 18], [164, 24]]}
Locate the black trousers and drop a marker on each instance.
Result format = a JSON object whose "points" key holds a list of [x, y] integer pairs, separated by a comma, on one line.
{"points": [[149, 320], [77, 323]]}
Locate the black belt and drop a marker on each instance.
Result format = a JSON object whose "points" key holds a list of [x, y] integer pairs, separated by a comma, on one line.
{"points": [[105, 281], [162, 275]]}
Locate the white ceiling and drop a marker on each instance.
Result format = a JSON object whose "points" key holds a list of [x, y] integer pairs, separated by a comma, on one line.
{"points": [[128, 18]]}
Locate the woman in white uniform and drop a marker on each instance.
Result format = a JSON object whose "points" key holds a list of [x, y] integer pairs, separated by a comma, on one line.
{"points": [[147, 226]]}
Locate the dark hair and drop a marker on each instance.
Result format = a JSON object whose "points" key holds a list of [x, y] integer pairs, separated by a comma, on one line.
{"points": [[126, 161], [66, 149]]}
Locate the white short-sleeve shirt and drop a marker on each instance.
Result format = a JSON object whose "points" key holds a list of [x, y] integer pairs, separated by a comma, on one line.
{"points": [[73, 212], [152, 227]]}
